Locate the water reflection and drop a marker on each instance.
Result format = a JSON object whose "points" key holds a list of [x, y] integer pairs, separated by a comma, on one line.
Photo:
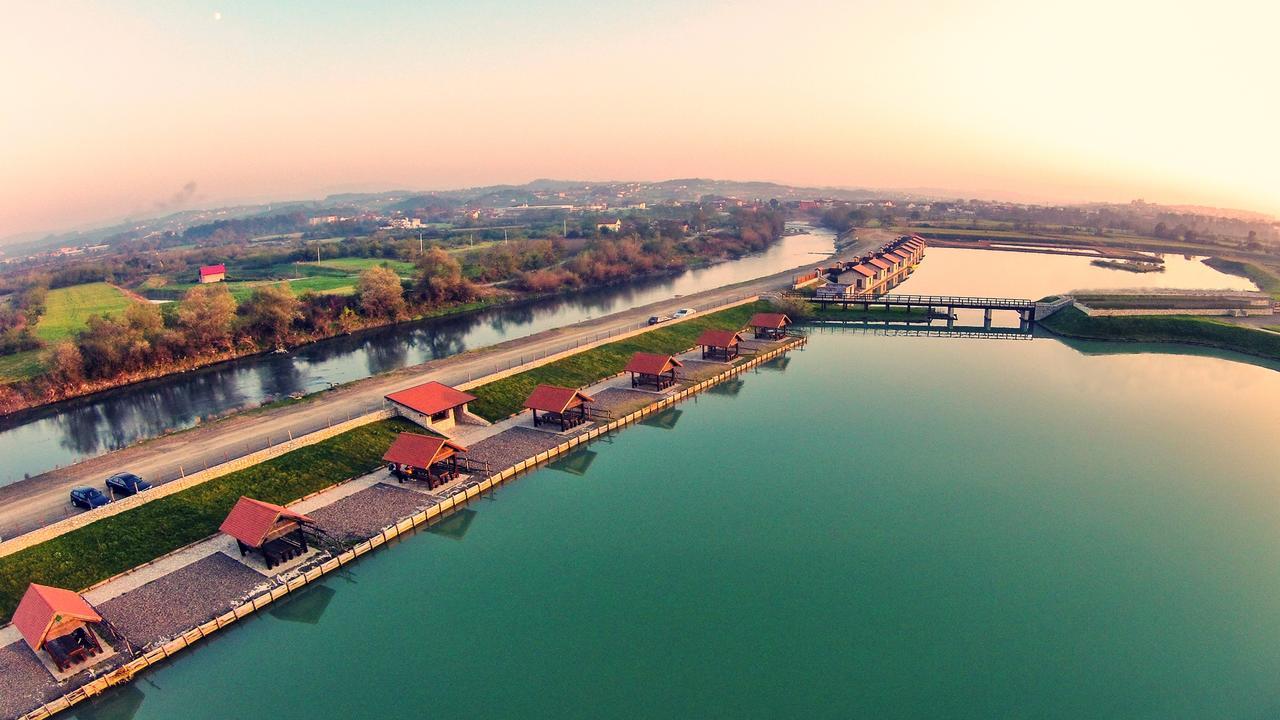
{"points": [[34, 442], [306, 606], [728, 387], [122, 703], [577, 462], [665, 420], [456, 525]]}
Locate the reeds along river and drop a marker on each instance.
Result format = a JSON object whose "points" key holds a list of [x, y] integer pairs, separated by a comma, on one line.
{"points": [[892, 527], [62, 434]]}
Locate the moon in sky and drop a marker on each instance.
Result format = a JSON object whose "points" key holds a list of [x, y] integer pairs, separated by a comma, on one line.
{"points": [[217, 16]]}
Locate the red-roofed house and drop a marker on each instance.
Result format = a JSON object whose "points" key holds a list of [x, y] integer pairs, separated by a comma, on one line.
{"points": [[719, 344], [57, 621], [212, 273], [772, 326], [274, 531], [880, 263], [435, 406], [652, 369], [562, 405], [434, 459]]}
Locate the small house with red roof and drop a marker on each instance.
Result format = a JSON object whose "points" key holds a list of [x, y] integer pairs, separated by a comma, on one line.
{"points": [[273, 531], [652, 369], [435, 406], [723, 345], [212, 273], [770, 326], [566, 407], [422, 457], [59, 622]]}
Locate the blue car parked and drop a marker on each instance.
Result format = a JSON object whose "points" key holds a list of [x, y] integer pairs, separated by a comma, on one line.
{"points": [[126, 483], [88, 498]]}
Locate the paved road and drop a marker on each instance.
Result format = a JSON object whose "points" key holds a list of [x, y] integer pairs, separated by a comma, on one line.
{"points": [[40, 500]]}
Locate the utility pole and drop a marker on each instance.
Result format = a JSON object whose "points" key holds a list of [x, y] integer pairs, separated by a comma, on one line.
{"points": [[504, 236], [419, 244], [317, 253]]}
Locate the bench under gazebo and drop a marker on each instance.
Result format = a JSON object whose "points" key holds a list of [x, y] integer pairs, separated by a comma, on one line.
{"points": [[273, 531], [58, 622], [719, 344], [566, 407], [653, 370], [422, 457], [769, 326]]}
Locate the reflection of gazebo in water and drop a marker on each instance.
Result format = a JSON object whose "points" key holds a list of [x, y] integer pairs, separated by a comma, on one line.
{"points": [[566, 407], [305, 606], [423, 457], [719, 344], [273, 531], [58, 622], [577, 462], [652, 369], [455, 525]]}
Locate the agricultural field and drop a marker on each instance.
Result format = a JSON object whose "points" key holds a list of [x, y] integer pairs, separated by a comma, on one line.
{"points": [[358, 265], [68, 309], [21, 366]]}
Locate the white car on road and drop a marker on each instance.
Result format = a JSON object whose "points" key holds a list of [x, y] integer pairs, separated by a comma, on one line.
{"points": [[682, 313]]}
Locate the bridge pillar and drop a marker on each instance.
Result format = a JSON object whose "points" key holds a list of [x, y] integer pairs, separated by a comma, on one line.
{"points": [[986, 318]]}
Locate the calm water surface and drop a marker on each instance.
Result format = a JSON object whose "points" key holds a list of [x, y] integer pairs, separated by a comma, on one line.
{"points": [[978, 529], [69, 432]]}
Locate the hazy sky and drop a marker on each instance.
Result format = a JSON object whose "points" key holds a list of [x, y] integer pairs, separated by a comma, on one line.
{"points": [[110, 109]]}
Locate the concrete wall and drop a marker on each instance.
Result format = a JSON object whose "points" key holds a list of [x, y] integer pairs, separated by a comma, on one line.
{"points": [[1208, 312]]}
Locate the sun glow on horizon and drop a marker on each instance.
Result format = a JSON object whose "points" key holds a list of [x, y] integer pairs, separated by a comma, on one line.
{"points": [[1084, 101]]}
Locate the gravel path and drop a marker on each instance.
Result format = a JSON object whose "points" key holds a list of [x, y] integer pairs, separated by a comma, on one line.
{"points": [[621, 401], [509, 447], [363, 514], [181, 600], [26, 683]]}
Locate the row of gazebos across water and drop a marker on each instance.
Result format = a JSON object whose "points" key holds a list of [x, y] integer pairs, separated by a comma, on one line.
{"points": [[68, 634]]}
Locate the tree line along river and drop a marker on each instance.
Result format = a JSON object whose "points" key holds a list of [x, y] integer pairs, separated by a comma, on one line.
{"points": [[892, 527]]}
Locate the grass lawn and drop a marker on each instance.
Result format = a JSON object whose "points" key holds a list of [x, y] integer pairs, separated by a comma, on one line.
{"points": [[21, 366], [1186, 329], [358, 265], [503, 398], [67, 309], [112, 545], [1265, 278]]}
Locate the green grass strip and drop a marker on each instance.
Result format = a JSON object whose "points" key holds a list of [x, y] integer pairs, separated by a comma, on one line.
{"points": [[503, 398], [110, 546], [1186, 329]]}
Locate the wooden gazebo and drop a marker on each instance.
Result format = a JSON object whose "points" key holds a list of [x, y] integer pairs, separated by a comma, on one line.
{"points": [[566, 407], [719, 344], [423, 457], [653, 370], [770, 326], [271, 530], [58, 621]]}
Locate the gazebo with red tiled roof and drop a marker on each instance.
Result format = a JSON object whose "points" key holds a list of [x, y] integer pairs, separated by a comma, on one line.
{"points": [[771, 326], [653, 369], [435, 406], [58, 621], [274, 531], [562, 405], [719, 344], [413, 456]]}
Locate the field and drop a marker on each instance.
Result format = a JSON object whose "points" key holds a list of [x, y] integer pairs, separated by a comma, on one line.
{"points": [[21, 366], [503, 398], [67, 309], [359, 265], [114, 544], [1265, 278]]}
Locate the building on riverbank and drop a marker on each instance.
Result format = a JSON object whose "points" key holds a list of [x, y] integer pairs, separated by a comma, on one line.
{"points": [[272, 531], [435, 406], [653, 370], [422, 457], [875, 273], [564, 406], [212, 274], [722, 345], [59, 624], [769, 326]]}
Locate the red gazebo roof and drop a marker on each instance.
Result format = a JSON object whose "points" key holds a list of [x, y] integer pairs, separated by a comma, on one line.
{"points": [[719, 338], [42, 606], [552, 398], [250, 521], [774, 321], [430, 398], [420, 451], [651, 363]]}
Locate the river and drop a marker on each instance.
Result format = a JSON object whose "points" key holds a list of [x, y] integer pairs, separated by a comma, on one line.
{"points": [[889, 527], [34, 442]]}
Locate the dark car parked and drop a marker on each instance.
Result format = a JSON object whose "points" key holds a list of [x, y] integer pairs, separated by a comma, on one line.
{"points": [[126, 483], [88, 498]]}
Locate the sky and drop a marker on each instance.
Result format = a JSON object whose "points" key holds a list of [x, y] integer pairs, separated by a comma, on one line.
{"points": [[132, 108]]}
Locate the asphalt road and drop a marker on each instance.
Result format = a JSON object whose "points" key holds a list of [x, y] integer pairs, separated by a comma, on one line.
{"points": [[43, 499]]}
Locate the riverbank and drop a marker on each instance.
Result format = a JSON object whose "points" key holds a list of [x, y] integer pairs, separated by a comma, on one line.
{"points": [[360, 520], [1186, 330], [1267, 280]]}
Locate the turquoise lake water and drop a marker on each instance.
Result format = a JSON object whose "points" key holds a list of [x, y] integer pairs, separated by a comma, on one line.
{"points": [[886, 527]]}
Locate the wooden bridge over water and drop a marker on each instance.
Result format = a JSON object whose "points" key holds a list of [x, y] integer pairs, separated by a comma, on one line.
{"points": [[1026, 309]]}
